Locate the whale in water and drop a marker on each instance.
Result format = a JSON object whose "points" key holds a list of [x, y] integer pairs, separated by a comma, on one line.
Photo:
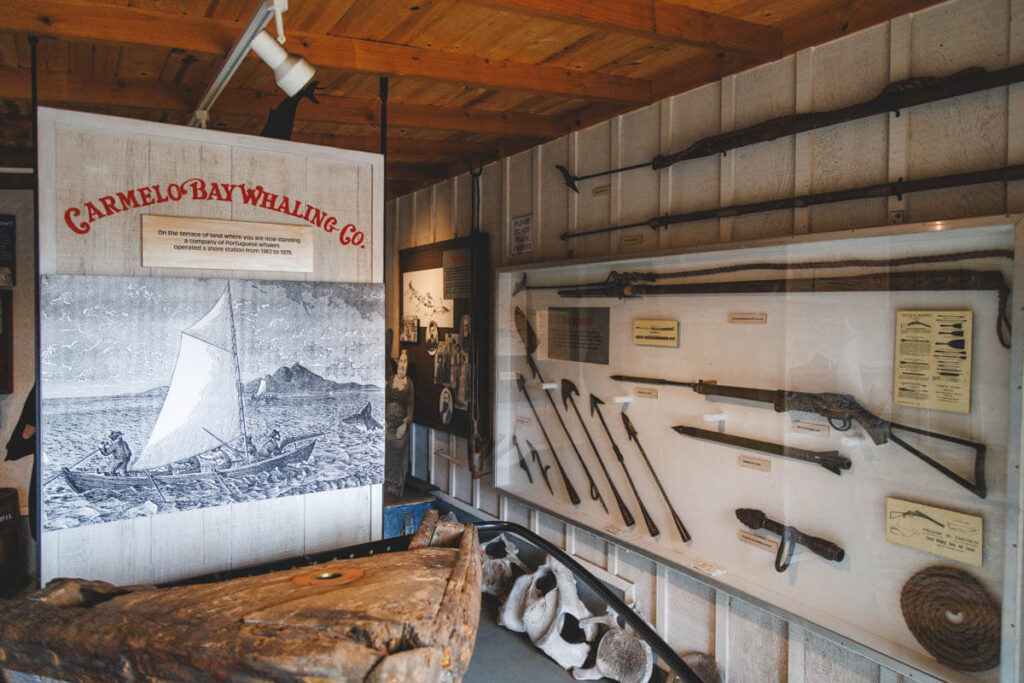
{"points": [[364, 419]]}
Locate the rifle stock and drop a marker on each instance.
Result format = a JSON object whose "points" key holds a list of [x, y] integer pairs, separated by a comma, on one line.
{"points": [[842, 410]]}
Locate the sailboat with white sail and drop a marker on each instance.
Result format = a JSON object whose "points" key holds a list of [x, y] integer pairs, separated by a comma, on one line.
{"points": [[202, 412]]}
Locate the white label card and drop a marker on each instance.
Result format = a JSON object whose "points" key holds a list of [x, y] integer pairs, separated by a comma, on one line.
{"points": [[178, 242]]}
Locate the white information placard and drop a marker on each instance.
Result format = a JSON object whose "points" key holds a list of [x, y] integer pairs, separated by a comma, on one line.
{"points": [[180, 242]]}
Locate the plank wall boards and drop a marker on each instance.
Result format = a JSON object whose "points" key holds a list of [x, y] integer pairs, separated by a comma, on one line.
{"points": [[969, 133], [84, 158]]}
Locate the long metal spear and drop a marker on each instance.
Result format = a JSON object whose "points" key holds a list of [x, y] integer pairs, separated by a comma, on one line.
{"points": [[651, 526], [573, 496], [568, 390], [540, 466], [527, 334], [631, 431], [522, 461]]}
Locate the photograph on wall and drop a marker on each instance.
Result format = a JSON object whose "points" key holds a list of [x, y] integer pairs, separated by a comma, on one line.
{"points": [[442, 362], [410, 330], [423, 297], [169, 394]]}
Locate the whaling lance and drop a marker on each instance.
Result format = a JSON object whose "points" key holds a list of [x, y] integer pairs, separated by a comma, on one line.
{"points": [[651, 526], [522, 461], [568, 391], [527, 333], [573, 496], [540, 466], [631, 432]]}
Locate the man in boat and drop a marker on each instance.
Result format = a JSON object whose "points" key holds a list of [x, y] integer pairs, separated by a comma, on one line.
{"points": [[272, 444], [116, 446], [250, 448]]}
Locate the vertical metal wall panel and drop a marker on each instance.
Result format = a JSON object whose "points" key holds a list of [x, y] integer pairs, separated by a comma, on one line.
{"points": [[641, 572], [403, 233], [941, 40], [444, 227], [971, 135], [492, 213], [591, 548], [593, 210], [462, 215], [849, 155], [758, 651], [463, 489], [551, 528], [486, 498], [690, 613], [516, 512], [956, 35], [519, 186], [828, 661], [636, 193], [765, 171], [694, 185], [855, 153], [553, 201], [422, 217]]}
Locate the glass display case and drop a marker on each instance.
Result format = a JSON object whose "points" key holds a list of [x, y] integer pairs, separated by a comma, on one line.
{"points": [[827, 424]]}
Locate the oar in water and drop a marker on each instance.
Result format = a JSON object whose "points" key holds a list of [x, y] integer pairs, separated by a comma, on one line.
{"points": [[45, 483]]}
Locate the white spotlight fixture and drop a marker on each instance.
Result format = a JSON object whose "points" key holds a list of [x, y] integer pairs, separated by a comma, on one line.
{"points": [[291, 73], [292, 68]]}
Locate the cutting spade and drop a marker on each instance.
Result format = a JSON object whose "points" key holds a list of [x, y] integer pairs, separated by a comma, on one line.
{"points": [[954, 343]]}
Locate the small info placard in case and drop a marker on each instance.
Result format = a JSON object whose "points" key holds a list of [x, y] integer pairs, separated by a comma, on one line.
{"points": [[656, 333], [938, 531], [178, 242]]}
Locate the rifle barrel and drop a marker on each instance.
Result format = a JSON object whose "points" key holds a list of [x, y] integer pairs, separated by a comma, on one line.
{"points": [[830, 460]]}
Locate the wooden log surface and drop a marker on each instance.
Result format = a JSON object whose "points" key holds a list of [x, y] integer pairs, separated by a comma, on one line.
{"points": [[419, 608]]}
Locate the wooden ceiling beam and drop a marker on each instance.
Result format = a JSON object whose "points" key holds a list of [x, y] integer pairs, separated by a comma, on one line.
{"points": [[851, 16], [17, 157], [147, 94], [401, 114], [17, 181], [414, 150], [656, 18], [75, 19]]}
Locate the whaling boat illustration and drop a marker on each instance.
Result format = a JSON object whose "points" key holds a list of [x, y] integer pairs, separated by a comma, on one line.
{"points": [[202, 412]]}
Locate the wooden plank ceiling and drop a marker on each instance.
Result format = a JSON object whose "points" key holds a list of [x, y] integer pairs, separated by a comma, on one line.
{"points": [[470, 80]]}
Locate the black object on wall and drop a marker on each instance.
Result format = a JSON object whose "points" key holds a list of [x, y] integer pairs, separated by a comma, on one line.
{"points": [[440, 354]]}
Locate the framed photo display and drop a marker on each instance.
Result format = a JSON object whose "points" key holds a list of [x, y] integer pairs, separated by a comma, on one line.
{"points": [[445, 292]]}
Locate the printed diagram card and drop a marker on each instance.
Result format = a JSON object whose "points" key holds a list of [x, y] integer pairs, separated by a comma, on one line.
{"points": [[938, 531], [933, 360]]}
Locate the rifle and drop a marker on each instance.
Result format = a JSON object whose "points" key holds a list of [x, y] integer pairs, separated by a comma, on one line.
{"points": [[841, 410], [897, 281], [916, 513], [893, 97]]}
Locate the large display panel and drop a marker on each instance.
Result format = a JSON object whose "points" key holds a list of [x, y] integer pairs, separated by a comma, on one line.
{"points": [[827, 425]]}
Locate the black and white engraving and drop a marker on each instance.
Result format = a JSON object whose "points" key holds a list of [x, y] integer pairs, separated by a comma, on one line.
{"points": [[423, 297], [165, 394]]}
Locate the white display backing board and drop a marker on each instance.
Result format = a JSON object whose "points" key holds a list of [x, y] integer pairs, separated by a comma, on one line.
{"points": [[824, 342], [85, 157]]}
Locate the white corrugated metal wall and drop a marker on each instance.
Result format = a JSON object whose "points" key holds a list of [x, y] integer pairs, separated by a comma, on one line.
{"points": [[973, 132]]}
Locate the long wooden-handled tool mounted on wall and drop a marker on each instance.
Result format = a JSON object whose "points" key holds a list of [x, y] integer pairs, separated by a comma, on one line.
{"points": [[894, 97]]}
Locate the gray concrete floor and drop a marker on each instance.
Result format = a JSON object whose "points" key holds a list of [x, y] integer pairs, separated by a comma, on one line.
{"points": [[501, 656]]}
